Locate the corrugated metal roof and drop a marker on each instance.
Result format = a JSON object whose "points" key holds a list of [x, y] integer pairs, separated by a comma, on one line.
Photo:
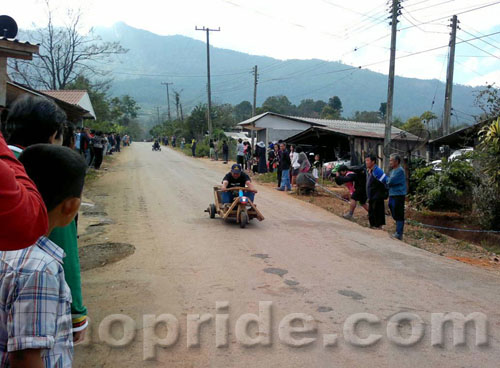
{"points": [[362, 129], [17, 41], [70, 96], [355, 128]]}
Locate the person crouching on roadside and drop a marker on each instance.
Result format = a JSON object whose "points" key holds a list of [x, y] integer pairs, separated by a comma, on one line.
{"points": [[356, 184]]}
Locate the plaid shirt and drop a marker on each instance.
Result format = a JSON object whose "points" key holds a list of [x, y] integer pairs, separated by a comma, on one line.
{"points": [[35, 304]]}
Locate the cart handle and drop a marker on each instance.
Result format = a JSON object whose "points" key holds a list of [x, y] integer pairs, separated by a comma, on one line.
{"points": [[238, 188]]}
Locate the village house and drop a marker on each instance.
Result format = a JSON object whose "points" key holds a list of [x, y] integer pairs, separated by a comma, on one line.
{"points": [[332, 139]]}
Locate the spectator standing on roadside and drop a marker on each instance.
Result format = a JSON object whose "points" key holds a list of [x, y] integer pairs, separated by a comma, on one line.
{"points": [[375, 192], [316, 167], [396, 181], [225, 151], [193, 147], [77, 139], [23, 215], [98, 143], [34, 120], [118, 140], [285, 165], [294, 159], [240, 153], [211, 146], [279, 157]]}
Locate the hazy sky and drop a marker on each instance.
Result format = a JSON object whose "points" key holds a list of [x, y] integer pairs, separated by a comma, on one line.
{"points": [[306, 29]]}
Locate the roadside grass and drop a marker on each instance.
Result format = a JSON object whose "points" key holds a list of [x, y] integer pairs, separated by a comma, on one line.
{"points": [[267, 177]]}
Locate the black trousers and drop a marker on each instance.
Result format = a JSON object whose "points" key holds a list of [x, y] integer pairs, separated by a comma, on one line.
{"points": [[279, 177], [97, 157], [376, 212]]}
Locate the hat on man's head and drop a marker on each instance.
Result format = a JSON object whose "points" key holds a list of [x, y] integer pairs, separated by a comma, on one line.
{"points": [[236, 169]]}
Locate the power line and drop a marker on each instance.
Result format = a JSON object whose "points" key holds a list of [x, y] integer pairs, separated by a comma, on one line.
{"points": [[486, 52], [486, 42]]}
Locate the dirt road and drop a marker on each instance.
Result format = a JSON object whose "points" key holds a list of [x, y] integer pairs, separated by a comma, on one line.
{"points": [[301, 258]]}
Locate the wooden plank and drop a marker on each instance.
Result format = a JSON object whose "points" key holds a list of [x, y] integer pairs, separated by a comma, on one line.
{"points": [[235, 202]]}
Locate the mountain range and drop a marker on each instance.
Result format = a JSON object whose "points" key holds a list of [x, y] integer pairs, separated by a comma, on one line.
{"points": [[153, 59]]}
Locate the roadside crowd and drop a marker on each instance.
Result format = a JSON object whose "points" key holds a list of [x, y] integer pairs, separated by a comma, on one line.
{"points": [[43, 163], [94, 145], [368, 185]]}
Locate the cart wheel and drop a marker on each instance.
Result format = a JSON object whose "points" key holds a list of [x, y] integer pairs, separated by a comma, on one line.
{"points": [[211, 210], [243, 219]]}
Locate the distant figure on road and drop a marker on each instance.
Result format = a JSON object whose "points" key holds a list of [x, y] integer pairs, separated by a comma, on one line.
{"points": [[356, 184], [376, 192], [193, 147], [397, 192]]}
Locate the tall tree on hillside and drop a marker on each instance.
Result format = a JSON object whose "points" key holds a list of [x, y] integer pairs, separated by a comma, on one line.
{"points": [[413, 124], [197, 122], [123, 109], [310, 108], [278, 104], [488, 100], [335, 103], [366, 116], [65, 54], [242, 111], [333, 110], [382, 110]]}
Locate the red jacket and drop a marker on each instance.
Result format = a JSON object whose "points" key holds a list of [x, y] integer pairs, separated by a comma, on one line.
{"points": [[23, 215]]}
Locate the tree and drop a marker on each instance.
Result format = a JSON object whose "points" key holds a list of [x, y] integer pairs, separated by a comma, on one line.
{"points": [[329, 112], [488, 100], [123, 109], [335, 103], [278, 104], [65, 54], [310, 108], [197, 122], [382, 110], [366, 116], [413, 125], [242, 111]]}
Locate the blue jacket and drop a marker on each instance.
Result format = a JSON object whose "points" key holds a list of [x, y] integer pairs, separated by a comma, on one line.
{"points": [[397, 182]]}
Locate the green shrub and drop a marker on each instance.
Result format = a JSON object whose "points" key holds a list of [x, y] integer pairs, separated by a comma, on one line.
{"points": [[450, 188]]}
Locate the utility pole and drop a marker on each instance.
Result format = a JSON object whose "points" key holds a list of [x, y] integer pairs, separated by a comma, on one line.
{"points": [[209, 92], [395, 10], [168, 99], [449, 77], [255, 80], [158, 113], [254, 106]]}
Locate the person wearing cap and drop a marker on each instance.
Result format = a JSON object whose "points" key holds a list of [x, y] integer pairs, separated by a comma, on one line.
{"points": [[237, 178]]}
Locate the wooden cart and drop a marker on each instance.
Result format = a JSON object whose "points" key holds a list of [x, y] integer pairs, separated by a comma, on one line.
{"points": [[242, 209]]}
